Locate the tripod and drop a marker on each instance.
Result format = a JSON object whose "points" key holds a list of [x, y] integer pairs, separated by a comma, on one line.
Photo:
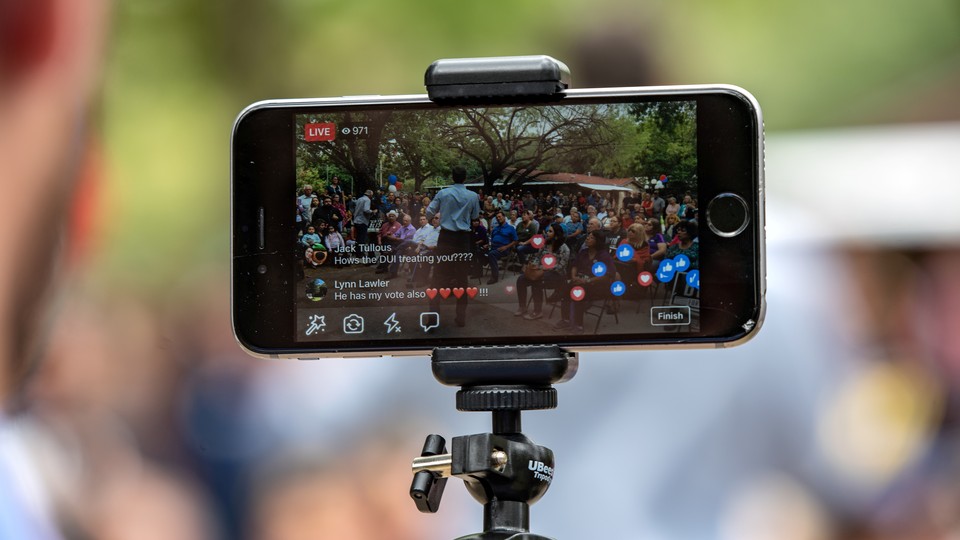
{"points": [[503, 470]]}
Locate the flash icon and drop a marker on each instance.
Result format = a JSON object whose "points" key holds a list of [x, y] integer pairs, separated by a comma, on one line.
{"points": [[392, 324]]}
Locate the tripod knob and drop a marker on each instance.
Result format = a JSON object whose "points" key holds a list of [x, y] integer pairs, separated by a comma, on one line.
{"points": [[502, 398], [428, 483]]}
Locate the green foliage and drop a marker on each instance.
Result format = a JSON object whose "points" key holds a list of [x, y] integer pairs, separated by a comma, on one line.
{"points": [[419, 151], [669, 140], [511, 145]]}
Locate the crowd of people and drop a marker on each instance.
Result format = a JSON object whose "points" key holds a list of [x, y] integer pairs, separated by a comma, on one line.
{"points": [[571, 229]]}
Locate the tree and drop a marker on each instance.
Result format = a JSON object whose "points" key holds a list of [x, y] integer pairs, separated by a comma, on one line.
{"points": [[511, 145], [669, 134], [421, 148], [357, 155]]}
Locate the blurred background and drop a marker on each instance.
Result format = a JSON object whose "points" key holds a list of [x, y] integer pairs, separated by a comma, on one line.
{"points": [[837, 422]]}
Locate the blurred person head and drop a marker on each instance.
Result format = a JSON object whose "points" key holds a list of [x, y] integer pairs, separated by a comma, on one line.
{"points": [[303, 493], [672, 219], [423, 221], [613, 224], [555, 236], [307, 190], [311, 229], [513, 215], [593, 224], [594, 240], [651, 226], [687, 231], [391, 216], [50, 56], [636, 235], [458, 174], [407, 219]]}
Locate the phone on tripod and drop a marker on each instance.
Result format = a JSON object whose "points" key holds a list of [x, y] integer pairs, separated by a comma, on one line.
{"points": [[626, 217]]}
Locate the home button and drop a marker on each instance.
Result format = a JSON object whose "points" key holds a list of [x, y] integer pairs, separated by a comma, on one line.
{"points": [[728, 215]]}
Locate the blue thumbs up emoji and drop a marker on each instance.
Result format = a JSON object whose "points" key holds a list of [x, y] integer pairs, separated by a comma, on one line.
{"points": [[599, 269], [666, 270], [693, 279], [617, 288], [625, 253]]}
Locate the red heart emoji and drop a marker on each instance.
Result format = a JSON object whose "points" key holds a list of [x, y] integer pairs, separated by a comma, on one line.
{"points": [[548, 262], [509, 289], [458, 292], [472, 291], [645, 279], [537, 241], [431, 293], [445, 292], [577, 293]]}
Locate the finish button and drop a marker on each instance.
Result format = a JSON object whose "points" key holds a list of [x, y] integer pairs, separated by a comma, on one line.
{"points": [[670, 315]]}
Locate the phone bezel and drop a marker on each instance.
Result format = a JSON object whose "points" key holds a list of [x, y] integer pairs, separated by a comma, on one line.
{"points": [[268, 160]]}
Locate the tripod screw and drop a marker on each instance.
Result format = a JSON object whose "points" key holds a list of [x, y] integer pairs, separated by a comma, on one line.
{"points": [[499, 459]]}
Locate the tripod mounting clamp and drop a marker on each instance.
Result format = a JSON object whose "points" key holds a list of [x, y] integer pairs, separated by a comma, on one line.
{"points": [[508, 78]]}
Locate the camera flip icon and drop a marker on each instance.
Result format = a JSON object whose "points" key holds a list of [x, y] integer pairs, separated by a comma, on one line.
{"points": [[353, 324]]}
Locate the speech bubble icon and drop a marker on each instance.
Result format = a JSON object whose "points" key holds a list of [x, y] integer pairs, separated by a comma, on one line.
{"points": [[429, 320]]}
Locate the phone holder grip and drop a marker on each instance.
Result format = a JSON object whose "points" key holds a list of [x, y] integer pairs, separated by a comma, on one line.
{"points": [[505, 365], [516, 77]]}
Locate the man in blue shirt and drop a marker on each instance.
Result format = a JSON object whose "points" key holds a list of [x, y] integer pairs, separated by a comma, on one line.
{"points": [[503, 238], [361, 218], [457, 206]]}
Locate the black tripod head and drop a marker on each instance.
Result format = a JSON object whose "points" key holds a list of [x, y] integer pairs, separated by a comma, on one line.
{"points": [[504, 470]]}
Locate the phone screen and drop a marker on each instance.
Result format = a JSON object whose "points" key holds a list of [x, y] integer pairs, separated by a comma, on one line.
{"points": [[393, 226]]}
